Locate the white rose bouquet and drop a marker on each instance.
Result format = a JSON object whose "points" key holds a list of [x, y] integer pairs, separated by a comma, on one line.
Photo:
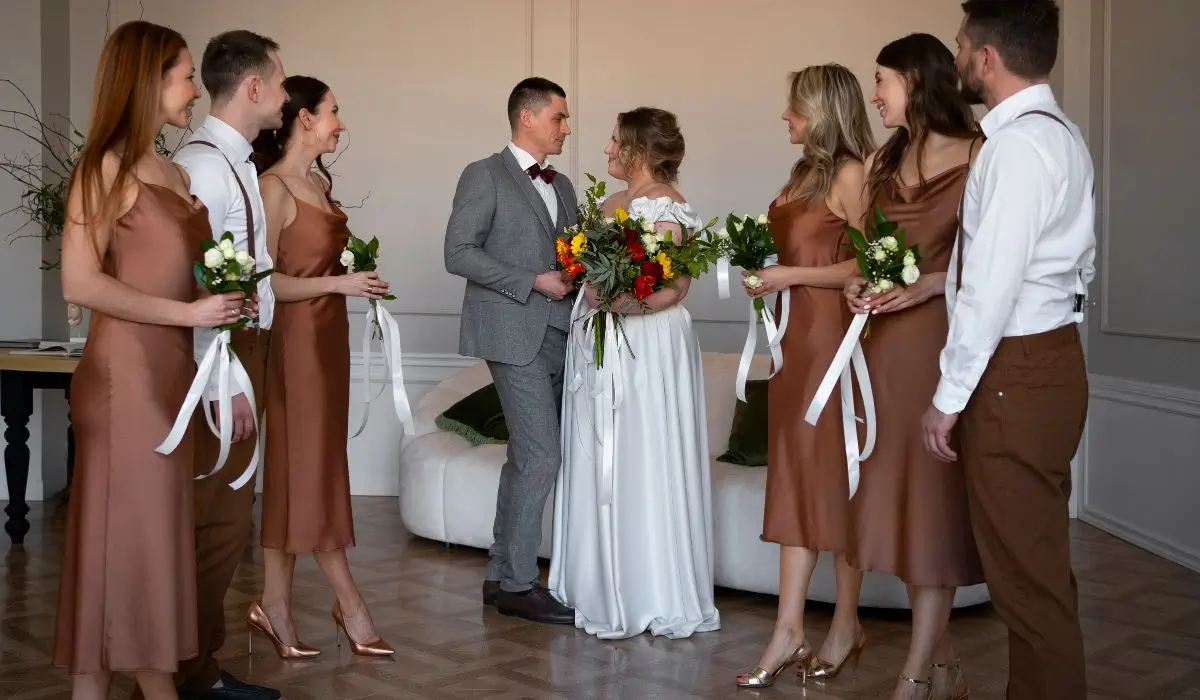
{"points": [[884, 260], [363, 256], [223, 269], [746, 242]]}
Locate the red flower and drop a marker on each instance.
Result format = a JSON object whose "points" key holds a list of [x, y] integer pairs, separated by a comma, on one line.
{"points": [[652, 269], [575, 270], [643, 287], [637, 251], [631, 236]]}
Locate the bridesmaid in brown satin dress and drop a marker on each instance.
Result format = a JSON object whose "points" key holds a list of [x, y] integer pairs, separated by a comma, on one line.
{"points": [[909, 517], [807, 487], [306, 477], [127, 592]]}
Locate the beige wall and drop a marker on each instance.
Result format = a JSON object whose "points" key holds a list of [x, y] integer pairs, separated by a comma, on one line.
{"points": [[422, 84]]}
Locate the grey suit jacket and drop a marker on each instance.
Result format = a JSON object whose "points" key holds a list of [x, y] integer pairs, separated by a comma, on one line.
{"points": [[500, 238]]}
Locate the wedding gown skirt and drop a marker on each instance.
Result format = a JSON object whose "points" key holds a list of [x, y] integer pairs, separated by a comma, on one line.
{"points": [[633, 542]]}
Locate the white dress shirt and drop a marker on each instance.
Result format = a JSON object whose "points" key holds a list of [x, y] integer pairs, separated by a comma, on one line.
{"points": [[549, 196], [1029, 242], [214, 184]]}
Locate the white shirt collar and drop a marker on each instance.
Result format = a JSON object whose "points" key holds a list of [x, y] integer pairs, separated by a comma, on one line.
{"points": [[236, 145], [1018, 103], [523, 158]]}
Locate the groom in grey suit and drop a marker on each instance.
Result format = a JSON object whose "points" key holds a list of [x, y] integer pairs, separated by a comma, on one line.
{"points": [[508, 210]]}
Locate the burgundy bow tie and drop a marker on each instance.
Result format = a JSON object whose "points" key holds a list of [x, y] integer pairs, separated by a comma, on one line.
{"points": [[535, 171]]}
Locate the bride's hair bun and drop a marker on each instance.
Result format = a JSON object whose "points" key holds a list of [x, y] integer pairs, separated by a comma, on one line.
{"points": [[651, 135]]}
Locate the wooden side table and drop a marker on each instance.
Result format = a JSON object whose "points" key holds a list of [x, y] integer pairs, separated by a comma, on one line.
{"points": [[19, 376]]}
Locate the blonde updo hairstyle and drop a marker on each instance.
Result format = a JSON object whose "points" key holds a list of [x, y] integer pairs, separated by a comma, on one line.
{"points": [[651, 136]]}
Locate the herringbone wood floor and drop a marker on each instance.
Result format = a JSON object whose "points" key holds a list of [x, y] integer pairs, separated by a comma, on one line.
{"points": [[1141, 617]]}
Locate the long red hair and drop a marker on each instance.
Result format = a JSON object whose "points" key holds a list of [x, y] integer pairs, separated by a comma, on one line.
{"points": [[125, 106]]}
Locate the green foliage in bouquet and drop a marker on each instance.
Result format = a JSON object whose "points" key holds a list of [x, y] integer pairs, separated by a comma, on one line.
{"points": [[222, 269], [363, 256]]}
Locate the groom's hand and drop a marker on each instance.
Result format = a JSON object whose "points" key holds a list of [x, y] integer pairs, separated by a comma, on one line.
{"points": [[552, 284], [243, 418]]}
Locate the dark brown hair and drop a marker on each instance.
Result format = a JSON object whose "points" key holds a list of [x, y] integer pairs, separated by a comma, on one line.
{"points": [[231, 56], [935, 104], [651, 135], [303, 93], [1023, 32], [530, 94]]}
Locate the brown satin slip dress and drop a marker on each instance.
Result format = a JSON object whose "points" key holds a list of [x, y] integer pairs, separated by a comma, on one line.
{"points": [[127, 593], [909, 516], [807, 485], [306, 476]]}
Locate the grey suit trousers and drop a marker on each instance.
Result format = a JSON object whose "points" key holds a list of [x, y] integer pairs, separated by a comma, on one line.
{"points": [[534, 393]]}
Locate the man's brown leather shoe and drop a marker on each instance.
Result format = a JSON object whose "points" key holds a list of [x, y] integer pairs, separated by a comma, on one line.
{"points": [[491, 591], [535, 604]]}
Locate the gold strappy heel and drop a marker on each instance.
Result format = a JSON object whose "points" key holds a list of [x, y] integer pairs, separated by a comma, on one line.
{"points": [[949, 682], [824, 670], [762, 678], [918, 684]]}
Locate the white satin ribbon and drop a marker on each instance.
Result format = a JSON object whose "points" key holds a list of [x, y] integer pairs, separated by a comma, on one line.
{"points": [[847, 362], [774, 332], [219, 357], [391, 355], [607, 395]]}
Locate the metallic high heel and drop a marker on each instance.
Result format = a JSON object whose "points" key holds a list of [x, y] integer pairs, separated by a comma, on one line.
{"points": [[762, 678], [375, 648], [824, 670], [956, 686], [256, 619], [913, 681]]}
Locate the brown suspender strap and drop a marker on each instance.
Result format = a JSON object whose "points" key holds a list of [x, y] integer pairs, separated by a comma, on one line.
{"points": [[245, 197]]}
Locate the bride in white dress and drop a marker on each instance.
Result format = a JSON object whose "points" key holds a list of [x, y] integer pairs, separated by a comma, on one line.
{"points": [[633, 542]]}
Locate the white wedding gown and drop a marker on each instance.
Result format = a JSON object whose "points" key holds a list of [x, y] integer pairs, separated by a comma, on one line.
{"points": [[633, 537]]}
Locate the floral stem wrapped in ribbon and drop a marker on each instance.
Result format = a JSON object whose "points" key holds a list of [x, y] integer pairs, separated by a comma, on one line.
{"points": [[221, 270], [746, 242], [884, 261], [363, 256]]}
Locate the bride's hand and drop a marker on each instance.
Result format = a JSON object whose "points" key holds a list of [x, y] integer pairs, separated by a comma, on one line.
{"points": [[589, 294]]}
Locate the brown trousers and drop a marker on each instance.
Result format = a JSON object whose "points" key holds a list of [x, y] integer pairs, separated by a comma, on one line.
{"points": [[223, 519], [1018, 435]]}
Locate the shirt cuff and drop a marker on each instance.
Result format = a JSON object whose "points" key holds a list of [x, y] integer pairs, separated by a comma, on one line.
{"points": [[950, 399]]}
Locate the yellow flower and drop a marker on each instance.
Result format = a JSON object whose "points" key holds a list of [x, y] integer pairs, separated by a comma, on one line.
{"points": [[622, 217], [666, 265], [560, 246], [578, 244]]}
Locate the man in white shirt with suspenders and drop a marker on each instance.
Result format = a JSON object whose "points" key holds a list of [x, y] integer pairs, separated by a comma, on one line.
{"points": [[1013, 374], [244, 76]]}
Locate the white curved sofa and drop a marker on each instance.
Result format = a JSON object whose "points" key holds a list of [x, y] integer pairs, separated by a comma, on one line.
{"points": [[448, 493]]}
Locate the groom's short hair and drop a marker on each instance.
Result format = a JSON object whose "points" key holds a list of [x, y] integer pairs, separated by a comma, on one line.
{"points": [[230, 56], [531, 94], [1024, 33]]}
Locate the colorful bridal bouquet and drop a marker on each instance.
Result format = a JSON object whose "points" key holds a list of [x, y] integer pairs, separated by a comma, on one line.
{"points": [[624, 255], [363, 256], [746, 242], [221, 269]]}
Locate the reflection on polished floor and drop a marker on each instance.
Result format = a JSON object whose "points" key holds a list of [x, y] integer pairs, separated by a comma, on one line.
{"points": [[1141, 618]]}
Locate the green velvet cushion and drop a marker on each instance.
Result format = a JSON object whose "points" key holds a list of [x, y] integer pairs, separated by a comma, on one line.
{"points": [[478, 418], [748, 436]]}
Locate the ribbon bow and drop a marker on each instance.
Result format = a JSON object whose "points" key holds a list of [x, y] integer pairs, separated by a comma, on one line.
{"points": [[535, 171]]}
